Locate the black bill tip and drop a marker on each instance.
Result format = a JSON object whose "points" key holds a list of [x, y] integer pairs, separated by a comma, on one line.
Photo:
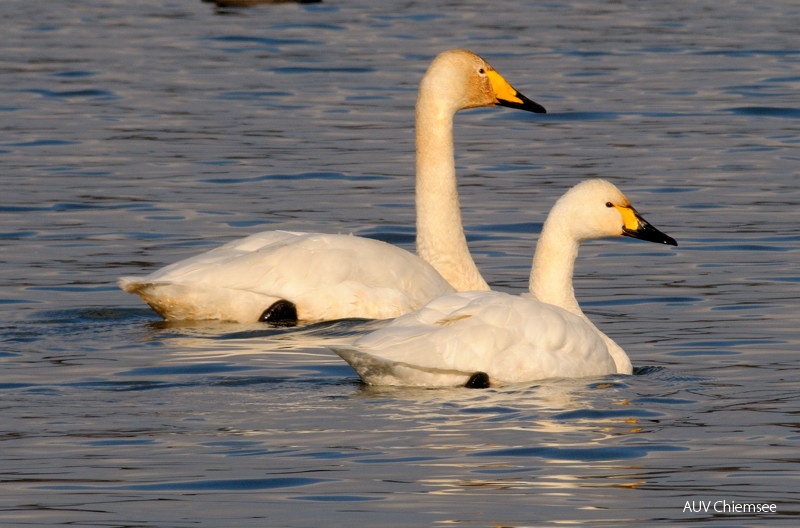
{"points": [[523, 103], [647, 232]]}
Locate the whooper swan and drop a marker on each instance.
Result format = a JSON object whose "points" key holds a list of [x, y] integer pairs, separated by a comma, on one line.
{"points": [[281, 277], [491, 338]]}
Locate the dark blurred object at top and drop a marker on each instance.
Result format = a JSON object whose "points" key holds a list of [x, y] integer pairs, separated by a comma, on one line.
{"points": [[248, 3]]}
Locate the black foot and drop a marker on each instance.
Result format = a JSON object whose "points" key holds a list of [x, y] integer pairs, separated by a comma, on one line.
{"points": [[479, 380], [280, 313]]}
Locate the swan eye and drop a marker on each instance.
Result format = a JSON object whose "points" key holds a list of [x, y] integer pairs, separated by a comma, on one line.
{"points": [[609, 204]]}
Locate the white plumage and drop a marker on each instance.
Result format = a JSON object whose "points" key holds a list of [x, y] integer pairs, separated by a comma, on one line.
{"points": [[324, 276], [512, 339]]}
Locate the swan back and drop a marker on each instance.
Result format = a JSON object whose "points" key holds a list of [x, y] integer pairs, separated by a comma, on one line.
{"points": [[511, 338], [326, 276]]}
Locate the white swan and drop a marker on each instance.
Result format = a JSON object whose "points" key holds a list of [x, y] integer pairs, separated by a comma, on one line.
{"points": [[281, 277], [482, 338]]}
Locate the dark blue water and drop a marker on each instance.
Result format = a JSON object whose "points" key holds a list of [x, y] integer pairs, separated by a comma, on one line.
{"points": [[135, 134]]}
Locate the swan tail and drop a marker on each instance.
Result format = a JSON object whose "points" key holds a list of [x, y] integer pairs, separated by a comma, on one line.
{"points": [[129, 284]]}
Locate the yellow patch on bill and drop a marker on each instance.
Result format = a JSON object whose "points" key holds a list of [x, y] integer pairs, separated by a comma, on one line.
{"points": [[502, 90], [629, 217]]}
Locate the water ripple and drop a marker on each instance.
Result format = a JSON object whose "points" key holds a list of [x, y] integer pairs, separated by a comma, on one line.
{"points": [[584, 454], [252, 484], [89, 93], [765, 111]]}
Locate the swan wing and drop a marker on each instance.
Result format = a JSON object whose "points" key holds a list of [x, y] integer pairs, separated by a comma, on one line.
{"points": [[510, 338], [326, 276]]}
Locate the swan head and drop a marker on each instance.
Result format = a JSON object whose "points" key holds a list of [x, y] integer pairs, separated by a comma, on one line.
{"points": [[598, 209], [466, 80]]}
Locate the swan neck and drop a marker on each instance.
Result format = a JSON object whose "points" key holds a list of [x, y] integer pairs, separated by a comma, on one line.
{"points": [[440, 235], [553, 268], [551, 281]]}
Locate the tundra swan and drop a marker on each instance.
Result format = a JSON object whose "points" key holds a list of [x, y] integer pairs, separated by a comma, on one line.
{"points": [[281, 277], [491, 338]]}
